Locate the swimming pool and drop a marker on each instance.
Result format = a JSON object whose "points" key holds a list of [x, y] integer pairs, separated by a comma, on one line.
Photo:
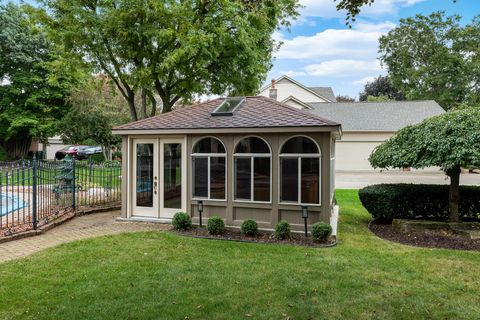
{"points": [[10, 203]]}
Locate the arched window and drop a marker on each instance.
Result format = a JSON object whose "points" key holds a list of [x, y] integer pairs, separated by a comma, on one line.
{"points": [[300, 171], [209, 169], [252, 170]]}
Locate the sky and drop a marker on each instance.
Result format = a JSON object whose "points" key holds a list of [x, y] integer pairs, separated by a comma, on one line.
{"points": [[320, 50]]}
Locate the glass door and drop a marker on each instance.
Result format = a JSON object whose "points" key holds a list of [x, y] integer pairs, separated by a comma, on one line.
{"points": [[145, 178], [173, 177]]}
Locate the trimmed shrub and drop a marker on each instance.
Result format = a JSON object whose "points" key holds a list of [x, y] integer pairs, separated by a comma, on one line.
{"points": [[386, 202], [117, 155], [97, 157], [249, 227], [181, 221], [215, 225], [321, 231], [282, 230]]}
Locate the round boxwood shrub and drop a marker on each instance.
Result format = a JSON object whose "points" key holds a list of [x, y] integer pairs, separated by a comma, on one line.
{"points": [[215, 225], [249, 227], [181, 221], [282, 230], [417, 201], [321, 231]]}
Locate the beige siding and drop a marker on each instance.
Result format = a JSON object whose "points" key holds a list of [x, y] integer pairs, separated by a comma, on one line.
{"points": [[266, 214]]}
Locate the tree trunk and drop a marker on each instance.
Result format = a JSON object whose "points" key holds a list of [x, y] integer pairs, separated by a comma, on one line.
{"points": [[454, 194]]}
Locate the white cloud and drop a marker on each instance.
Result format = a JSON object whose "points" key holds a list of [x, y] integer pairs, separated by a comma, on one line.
{"points": [[327, 8], [292, 73], [361, 41], [364, 80], [343, 68]]}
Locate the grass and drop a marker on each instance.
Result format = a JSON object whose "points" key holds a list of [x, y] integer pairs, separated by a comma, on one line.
{"points": [[164, 276]]}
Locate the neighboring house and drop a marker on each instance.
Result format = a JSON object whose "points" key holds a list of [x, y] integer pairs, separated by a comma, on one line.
{"points": [[54, 144], [295, 94], [240, 158], [365, 125]]}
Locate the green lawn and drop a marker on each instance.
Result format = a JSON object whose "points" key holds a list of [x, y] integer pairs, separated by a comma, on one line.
{"points": [[165, 276]]}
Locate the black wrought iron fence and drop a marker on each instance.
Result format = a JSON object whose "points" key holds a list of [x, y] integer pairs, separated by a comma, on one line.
{"points": [[36, 192]]}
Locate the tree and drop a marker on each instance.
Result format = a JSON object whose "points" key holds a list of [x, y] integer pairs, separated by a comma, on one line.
{"points": [[381, 87], [344, 98], [353, 7], [34, 78], [449, 141], [177, 49], [434, 57], [378, 99], [97, 107]]}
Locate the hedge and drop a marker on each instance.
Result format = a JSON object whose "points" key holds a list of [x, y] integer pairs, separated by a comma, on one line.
{"points": [[418, 201]]}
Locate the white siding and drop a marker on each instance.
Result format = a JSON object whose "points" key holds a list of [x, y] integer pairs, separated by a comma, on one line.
{"points": [[294, 104], [286, 88]]}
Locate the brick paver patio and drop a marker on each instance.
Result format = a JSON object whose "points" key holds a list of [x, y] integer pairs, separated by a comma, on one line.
{"points": [[88, 226]]}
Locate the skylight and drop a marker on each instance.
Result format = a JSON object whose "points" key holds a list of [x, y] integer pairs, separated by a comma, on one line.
{"points": [[228, 106]]}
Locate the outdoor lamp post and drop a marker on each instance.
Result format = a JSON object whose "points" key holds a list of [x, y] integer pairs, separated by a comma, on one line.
{"points": [[200, 210], [305, 217]]}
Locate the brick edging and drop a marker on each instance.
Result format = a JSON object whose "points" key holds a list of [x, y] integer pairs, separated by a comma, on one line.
{"points": [[58, 221]]}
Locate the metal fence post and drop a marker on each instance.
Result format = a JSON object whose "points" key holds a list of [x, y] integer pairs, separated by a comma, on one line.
{"points": [[74, 191], [34, 193]]}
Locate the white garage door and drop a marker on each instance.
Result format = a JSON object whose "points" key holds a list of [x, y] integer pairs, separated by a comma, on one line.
{"points": [[353, 155]]}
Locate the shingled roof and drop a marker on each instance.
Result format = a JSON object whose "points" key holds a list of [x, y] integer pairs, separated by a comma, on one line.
{"points": [[256, 112], [326, 92], [377, 116]]}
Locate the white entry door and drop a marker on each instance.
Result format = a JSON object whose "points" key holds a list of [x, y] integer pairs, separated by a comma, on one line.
{"points": [[173, 177], [145, 178]]}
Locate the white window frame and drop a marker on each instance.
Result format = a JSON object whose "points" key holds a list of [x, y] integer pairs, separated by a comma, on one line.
{"points": [[209, 156], [299, 157]]}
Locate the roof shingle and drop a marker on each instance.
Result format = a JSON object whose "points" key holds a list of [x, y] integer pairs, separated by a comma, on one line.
{"points": [[377, 116], [256, 112]]}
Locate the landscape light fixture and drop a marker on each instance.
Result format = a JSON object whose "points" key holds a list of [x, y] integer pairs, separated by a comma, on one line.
{"points": [[200, 210], [305, 218]]}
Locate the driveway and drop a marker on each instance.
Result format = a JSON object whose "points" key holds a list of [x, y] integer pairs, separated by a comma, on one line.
{"points": [[360, 179]]}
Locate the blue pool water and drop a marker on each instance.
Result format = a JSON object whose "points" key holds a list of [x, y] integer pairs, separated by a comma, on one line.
{"points": [[10, 203]]}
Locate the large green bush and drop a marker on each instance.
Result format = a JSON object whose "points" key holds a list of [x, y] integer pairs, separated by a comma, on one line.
{"points": [[418, 201], [321, 231], [181, 221], [215, 225]]}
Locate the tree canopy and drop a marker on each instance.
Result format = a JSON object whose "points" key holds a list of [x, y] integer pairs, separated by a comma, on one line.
{"points": [[434, 57], [380, 88], [449, 141], [96, 107], [344, 98], [34, 81], [171, 50]]}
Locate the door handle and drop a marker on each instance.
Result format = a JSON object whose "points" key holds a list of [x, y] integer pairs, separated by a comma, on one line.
{"points": [[155, 186]]}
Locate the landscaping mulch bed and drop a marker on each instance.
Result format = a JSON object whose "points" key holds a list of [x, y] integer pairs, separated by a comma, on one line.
{"points": [[428, 239], [233, 234]]}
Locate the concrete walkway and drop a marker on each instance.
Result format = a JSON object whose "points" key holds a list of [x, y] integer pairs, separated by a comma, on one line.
{"points": [[358, 179], [88, 226]]}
